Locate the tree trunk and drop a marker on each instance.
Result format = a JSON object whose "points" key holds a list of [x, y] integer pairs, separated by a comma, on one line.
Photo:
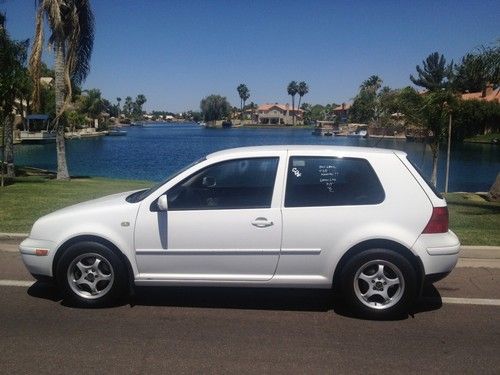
{"points": [[293, 110], [9, 146], [435, 154], [62, 167]]}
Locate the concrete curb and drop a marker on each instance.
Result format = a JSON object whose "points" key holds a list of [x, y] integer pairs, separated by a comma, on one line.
{"points": [[468, 252], [13, 236]]}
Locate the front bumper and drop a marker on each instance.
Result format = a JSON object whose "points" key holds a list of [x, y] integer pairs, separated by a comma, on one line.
{"points": [[438, 252], [35, 262]]}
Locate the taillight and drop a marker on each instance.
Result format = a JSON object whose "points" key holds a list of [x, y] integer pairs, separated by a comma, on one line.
{"points": [[438, 223]]}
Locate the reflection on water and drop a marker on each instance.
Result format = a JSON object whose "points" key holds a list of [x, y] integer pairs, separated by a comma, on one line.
{"points": [[154, 151]]}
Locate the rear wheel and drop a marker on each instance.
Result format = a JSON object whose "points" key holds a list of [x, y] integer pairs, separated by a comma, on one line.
{"points": [[91, 275], [379, 283]]}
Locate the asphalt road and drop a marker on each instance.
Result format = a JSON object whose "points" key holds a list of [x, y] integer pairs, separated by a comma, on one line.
{"points": [[208, 330]]}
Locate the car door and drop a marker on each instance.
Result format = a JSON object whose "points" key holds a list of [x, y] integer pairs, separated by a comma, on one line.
{"points": [[223, 223]]}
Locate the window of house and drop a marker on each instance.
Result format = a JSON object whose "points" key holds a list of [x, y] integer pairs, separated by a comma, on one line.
{"points": [[232, 184], [329, 181]]}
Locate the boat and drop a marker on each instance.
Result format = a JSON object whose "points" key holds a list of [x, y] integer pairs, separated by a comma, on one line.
{"points": [[358, 134], [203, 123], [116, 133]]}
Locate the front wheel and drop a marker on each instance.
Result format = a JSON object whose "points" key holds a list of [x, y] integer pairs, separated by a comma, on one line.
{"points": [[379, 283], [91, 275]]}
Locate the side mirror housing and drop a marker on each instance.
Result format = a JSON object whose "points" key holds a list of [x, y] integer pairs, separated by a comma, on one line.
{"points": [[160, 205]]}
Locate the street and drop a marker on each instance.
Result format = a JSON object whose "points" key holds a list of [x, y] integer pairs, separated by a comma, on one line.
{"points": [[455, 329]]}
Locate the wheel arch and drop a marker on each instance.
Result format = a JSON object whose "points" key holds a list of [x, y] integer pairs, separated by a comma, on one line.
{"points": [[414, 260], [93, 238]]}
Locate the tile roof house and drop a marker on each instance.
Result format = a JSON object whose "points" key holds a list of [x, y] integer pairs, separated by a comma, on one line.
{"points": [[488, 94], [342, 112], [278, 114]]}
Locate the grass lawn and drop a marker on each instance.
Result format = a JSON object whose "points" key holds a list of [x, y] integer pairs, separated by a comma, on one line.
{"points": [[31, 197], [475, 220]]}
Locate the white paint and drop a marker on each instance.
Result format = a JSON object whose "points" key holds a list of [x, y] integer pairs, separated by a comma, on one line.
{"points": [[23, 283], [471, 301]]}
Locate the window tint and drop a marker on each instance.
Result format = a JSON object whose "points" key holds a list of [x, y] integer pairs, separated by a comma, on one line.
{"points": [[427, 181], [329, 181], [240, 183]]}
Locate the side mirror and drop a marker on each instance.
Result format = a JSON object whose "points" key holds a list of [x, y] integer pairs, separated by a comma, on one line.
{"points": [[209, 182], [159, 205], [163, 203]]}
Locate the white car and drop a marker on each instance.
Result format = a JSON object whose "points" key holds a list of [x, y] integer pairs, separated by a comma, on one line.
{"points": [[361, 220]]}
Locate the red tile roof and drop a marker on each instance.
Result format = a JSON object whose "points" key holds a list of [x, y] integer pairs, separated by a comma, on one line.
{"points": [[283, 107]]}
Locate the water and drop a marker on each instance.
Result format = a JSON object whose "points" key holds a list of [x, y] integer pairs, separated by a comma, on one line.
{"points": [[154, 151]]}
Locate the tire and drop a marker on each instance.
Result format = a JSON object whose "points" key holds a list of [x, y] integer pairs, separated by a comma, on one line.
{"points": [[379, 284], [91, 275]]}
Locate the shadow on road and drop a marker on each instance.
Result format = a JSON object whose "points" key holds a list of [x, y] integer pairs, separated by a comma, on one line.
{"points": [[314, 300]]}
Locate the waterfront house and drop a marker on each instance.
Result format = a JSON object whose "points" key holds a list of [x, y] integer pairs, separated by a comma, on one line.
{"points": [[278, 114], [488, 94], [342, 112]]}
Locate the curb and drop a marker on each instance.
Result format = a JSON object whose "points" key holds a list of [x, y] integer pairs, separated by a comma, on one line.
{"points": [[13, 236]]}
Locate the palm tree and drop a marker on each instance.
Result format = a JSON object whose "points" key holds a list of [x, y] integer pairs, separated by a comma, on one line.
{"points": [[292, 90], [244, 94], [372, 84], [118, 99], [435, 74], [302, 89], [72, 37], [13, 85]]}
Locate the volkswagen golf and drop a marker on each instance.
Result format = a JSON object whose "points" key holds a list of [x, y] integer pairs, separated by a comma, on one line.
{"points": [[362, 221]]}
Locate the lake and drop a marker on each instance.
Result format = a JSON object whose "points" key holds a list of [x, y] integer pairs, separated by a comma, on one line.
{"points": [[154, 151]]}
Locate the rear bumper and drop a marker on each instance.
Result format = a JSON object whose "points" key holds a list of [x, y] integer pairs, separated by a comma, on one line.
{"points": [[438, 252]]}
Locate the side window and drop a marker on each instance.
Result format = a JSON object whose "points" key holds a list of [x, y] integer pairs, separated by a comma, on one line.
{"points": [[232, 184], [329, 181]]}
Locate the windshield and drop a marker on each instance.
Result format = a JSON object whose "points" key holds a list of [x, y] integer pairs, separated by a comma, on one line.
{"points": [[140, 195]]}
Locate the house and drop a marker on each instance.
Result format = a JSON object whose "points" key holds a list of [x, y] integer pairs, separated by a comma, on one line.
{"points": [[341, 112], [278, 114], [488, 94]]}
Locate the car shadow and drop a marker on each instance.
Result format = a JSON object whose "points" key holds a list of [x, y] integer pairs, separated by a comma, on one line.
{"points": [[282, 299]]}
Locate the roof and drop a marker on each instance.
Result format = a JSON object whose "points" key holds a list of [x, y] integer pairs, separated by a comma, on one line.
{"points": [[349, 149], [346, 106], [283, 107], [489, 95]]}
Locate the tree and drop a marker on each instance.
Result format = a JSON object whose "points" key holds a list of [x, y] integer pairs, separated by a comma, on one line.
{"points": [[302, 89], [118, 99], [137, 106], [214, 107], [372, 84], [365, 105], [478, 69], [128, 106], [71, 24], [244, 94], [292, 90], [435, 74], [12, 86]]}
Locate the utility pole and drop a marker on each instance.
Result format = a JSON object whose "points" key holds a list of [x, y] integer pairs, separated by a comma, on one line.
{"points": [[448, 156]]}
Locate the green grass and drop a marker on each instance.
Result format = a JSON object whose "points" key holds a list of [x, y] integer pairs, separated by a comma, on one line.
{"points": [[474, 220], [483, 138], [24, 201]]}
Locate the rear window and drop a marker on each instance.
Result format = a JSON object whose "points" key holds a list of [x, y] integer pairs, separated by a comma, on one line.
{"points": [[427, 181], [330, 181]]}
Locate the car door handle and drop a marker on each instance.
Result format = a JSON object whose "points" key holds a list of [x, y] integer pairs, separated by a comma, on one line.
{"points": [[262, 222]]}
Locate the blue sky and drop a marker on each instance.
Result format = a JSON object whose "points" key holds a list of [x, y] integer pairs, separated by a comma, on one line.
{"points": [[177, 52]]}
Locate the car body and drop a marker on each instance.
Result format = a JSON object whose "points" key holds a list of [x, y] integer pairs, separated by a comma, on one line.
{"points": [[267, 216]]}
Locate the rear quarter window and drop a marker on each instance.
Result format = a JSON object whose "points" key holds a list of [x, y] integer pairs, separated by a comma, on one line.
{"points": [[331, 181]]}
